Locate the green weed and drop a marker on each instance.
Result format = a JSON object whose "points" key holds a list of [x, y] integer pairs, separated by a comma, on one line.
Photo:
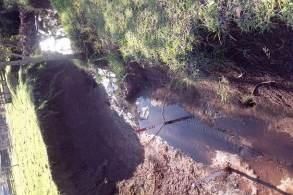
{"points": [[116, 65], [223, 89]]}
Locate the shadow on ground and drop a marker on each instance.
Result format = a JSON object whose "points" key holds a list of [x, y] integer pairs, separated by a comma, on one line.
{"points": [[90, 148]]}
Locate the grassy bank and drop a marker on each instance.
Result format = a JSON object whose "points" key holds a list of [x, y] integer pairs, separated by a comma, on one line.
{"points": [[31, 169], [167, 32]]}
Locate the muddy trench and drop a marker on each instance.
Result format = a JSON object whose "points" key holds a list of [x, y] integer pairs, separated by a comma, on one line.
{"points": [[90, 148], [93, 134]]}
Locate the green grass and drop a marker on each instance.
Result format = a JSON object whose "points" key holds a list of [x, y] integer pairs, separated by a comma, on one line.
{"points": [[30, 164], [116, 65], [165, 31]]}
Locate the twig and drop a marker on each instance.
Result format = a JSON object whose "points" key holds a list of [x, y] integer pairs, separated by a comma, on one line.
{"points": [[19, 55], [255, 90], [163, 112], [39, 59], [165, 123], [212, 176]]}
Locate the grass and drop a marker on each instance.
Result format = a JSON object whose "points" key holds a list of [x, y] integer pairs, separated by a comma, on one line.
{"points": [[30, 164], [247, 100], [116, 65], [167, 31], [223, 89]]}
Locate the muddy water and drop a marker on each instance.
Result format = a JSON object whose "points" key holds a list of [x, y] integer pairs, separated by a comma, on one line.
{"points": [[268, 153], [192, 136], [242, 135]]}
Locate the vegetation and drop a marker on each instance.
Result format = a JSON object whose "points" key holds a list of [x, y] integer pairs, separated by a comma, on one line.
{"points": [[115, 65], [30, 165], [13, 3], [165, 32], [223, 89]]}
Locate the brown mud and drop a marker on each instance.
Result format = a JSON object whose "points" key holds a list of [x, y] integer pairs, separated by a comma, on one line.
{"points": [[256, 121], [266, 151], [166, 170], [93, 151]]}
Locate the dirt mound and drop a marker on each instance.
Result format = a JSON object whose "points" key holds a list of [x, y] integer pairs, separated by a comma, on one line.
{"points": [[168, 171], [87, 151]]}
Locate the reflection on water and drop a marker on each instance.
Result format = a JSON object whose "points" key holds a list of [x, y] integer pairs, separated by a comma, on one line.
{"points": [[52, 44], [268, 153], [244, 136], [191, 136]]}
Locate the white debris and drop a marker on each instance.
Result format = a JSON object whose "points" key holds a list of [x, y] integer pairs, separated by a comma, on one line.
{"points": [[144, 113], [62, 45], [286, 185]]}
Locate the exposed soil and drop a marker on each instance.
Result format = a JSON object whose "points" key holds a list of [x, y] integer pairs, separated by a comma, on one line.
{"points": [[89, 148], [258, 110], [260, 54], [168, 171], [93, 151]]}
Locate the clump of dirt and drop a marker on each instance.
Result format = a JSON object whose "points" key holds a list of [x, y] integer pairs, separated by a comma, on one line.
{"points": [[168, 171], [287, 185], [257, 54]]}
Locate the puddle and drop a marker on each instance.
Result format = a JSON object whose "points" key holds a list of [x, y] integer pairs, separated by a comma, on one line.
{"points": [[267, 152], [247, 139], [274, 146], [192, 136]]}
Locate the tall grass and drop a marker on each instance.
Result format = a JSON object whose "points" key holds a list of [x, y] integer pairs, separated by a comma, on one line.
{"points": [[30, 164]]}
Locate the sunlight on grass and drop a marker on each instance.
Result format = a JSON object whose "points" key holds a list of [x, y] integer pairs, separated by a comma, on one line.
{"points": [[31, 170], [165, 32]]}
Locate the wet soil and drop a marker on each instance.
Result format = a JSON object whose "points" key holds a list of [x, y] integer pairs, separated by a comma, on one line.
{"points": [[166, 170], [267, 152], [255, 124], [90, 148], [258, 54], [93, 151], [216, 134]]}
